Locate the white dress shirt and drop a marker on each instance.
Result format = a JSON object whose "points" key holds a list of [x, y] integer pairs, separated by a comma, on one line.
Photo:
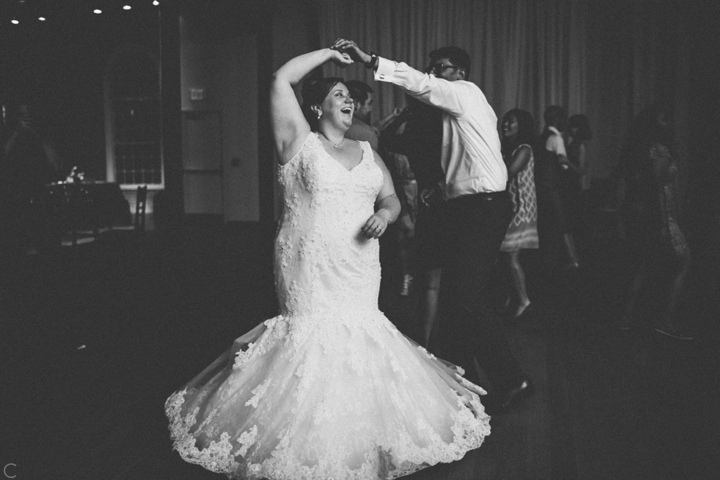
{"points": [[471, 155], [555, 142]]}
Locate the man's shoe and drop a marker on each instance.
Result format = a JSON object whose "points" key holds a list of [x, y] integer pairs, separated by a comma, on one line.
{"points": [[515, 395], [675, 332]]}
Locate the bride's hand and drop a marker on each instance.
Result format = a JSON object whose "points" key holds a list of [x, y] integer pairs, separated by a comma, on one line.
{"points": [[340, 59], [375, 226]]}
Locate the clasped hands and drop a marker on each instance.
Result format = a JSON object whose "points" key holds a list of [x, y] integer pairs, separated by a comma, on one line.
{"points": [[349, 49]]}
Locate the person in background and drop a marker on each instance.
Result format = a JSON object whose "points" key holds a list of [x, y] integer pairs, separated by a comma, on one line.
{"points": [[397, 243], [575, 179], [578, 134], [421, 142], [28, 162], [659, 254], [361, 128], [406, 186], [554, 230], [476, 214], [518, 136]]}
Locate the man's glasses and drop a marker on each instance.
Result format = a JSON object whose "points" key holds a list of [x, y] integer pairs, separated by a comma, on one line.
{"points": [[438, 68]]}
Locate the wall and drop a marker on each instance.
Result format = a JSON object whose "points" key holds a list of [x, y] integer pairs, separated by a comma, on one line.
{"points": [[219, 56], [294, 32], [637, 55]]}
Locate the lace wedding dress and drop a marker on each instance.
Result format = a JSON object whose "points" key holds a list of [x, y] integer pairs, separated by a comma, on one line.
{"points": [[329, 389]]}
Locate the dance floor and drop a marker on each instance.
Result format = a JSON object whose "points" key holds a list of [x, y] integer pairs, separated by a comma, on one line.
{"points": [[94, 338]]}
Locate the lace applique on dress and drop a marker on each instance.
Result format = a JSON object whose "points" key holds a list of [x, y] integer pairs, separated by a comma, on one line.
{"points": [[247, 439], [329, 388]]}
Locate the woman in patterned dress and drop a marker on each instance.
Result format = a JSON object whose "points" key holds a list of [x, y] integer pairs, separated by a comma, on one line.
{"points": [[518, 129]]}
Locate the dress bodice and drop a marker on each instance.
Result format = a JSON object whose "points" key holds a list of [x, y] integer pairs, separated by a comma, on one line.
{"points": [[321, 258]]}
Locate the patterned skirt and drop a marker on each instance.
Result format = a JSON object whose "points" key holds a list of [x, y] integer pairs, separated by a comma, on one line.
{"points": [[522, 231]]}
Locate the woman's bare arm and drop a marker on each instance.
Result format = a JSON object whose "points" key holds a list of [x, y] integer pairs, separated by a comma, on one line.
{"points": [[520, 158], [288, 123]]}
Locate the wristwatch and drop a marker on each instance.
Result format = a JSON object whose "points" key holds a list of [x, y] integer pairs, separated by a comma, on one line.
{"points": [[373, 61]]}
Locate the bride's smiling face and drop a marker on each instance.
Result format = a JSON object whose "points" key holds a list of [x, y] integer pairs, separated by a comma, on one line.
{"points": [[338, 106]]}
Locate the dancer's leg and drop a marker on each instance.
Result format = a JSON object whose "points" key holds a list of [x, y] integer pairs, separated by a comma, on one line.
{"points": [[571, 250], [430, 301], [518, 276], [478, 224], [669, 322]]}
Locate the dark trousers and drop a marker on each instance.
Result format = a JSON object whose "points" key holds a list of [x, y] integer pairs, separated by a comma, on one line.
{"points": [[476, 225], [552, 224]]}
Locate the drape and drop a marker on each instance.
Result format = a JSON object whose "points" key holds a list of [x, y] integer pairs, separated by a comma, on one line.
{"points": [[606, 59], [521, 53]]}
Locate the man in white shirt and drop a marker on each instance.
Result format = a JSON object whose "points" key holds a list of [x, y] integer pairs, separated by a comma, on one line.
{"points": [[477, 215]]}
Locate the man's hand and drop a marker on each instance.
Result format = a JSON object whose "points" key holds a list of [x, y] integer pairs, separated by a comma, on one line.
{"points": [[432, 196], [350, 47]]}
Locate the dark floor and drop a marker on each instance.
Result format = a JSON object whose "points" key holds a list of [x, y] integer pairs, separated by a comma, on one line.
{"points": [[95, 337]]}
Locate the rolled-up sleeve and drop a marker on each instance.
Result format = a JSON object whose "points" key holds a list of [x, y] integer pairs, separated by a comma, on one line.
{"points": [[423, 86], [556, 145]]}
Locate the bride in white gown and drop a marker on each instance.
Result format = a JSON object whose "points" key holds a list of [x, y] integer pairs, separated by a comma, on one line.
{"points": [[328, 389]]}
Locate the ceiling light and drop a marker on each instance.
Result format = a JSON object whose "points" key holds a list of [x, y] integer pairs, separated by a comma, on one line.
{"points": [[42, 19], [14, 21], [156, 3], [97, 11], [127, 7]]}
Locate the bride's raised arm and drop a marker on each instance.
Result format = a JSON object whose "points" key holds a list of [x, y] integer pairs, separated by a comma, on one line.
{"points": [[288, 123]]}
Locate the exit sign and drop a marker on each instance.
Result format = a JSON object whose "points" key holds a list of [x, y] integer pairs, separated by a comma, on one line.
{"points": [[197, 93]]}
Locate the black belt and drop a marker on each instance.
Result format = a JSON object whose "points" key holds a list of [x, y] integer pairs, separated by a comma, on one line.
{"points": [[480, 196]]}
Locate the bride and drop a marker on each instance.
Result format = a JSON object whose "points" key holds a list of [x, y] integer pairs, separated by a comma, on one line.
{"points": [[329, 388]]}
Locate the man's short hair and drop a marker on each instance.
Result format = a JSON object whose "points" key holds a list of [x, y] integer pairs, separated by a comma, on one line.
{"points": [[456, 55], [359, 90]]}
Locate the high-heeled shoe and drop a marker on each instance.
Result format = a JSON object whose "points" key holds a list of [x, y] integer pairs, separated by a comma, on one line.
{"points": [[525, 312]]}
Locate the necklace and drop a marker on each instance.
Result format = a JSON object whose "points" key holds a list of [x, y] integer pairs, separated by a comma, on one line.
{"points": [[331, 143]]}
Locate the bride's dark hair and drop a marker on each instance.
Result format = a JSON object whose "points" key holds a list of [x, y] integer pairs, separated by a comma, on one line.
{"points": [[314, 91]]}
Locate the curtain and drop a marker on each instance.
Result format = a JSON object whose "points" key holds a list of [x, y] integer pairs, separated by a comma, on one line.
{"points": [[606, 59], [521, 51]]}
